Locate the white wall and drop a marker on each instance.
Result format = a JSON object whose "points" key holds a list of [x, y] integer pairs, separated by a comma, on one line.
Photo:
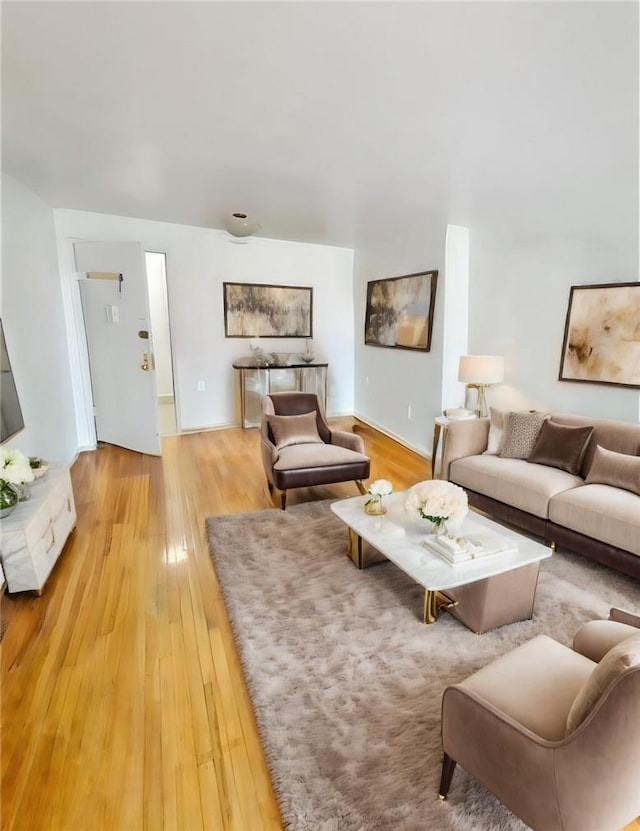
{"points": [[518, 295], [34, 325], [199, 260], [455, 313], [518, 298], [389, 381]]}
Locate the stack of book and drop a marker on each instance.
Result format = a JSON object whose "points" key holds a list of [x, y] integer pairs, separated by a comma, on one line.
{"points": [[483, 543]]}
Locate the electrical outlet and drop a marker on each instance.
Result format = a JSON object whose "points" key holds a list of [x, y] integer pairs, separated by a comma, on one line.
{"points": [[200, 386]]}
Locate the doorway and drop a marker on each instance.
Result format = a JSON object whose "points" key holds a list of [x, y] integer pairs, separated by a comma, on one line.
{"points": [[156, 263], [114, 303]]}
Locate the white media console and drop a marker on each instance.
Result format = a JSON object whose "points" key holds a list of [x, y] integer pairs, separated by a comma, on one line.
{"points": [[33, 536]]}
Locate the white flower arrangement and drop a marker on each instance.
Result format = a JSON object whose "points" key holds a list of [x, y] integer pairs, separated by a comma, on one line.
{"points": [[381, 487], [14, 467], [377, 489], [439, 502]]}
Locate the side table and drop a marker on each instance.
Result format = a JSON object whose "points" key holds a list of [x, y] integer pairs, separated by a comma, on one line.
{"points": [[440, 424], [440, 427]]}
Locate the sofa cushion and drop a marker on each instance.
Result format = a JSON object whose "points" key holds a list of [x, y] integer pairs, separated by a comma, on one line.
{"points": [[618, 660], [561, 446], [515, 482], [621, 436], [521, 431], [294, 429], [300, 456], [616, 469], [496, 431], [611, 515]]}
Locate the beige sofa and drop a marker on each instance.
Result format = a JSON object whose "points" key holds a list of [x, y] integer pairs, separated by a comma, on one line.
{"points": [[597, 520]]}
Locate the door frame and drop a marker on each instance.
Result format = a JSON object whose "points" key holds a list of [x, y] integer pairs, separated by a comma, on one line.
{"points": [[174, 381], [77, 345], [77, 342]]}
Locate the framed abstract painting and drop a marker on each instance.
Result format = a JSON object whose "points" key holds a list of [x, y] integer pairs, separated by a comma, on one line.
{"points": [[255, 310], [602, 335], [399, 312]]}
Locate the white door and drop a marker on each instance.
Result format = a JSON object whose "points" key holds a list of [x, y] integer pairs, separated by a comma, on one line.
{"points": [[119, 341]]}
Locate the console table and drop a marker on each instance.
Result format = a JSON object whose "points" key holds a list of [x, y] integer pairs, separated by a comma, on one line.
{"points": [[33, 536], [256, 380]]}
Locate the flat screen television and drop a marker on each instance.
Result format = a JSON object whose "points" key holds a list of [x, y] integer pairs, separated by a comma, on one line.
{"points": [[11, 421]]}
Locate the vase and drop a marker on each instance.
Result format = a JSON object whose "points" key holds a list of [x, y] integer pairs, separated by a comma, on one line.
{"points": [[8, 500], [23, 491], [439, 528], [374, 506]]}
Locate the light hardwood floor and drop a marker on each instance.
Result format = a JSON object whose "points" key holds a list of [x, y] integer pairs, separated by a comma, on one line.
{"points": [[123, 702]]}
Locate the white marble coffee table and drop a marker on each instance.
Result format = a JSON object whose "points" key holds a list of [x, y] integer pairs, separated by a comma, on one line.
{"points": [[483, 593]]}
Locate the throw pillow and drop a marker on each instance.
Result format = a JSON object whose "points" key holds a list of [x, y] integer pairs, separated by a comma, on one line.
{"points": [[496, 427], [561, 446], [621, 657], [521, 431], [294, 429], [616, 469]]}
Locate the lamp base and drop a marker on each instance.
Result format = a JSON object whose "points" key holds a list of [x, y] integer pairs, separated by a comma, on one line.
{"points": [[481, 408]]}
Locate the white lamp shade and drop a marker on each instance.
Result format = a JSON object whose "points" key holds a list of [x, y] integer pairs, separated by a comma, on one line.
{"points": [[481, 369]]}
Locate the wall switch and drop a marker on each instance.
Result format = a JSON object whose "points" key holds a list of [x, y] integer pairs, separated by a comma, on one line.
{"points": [[200, 386], [409, 412], [112, 314], [366, 380]]}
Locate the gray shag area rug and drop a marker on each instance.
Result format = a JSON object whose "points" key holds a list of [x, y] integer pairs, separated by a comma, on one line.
{"points": [[346, 680]]}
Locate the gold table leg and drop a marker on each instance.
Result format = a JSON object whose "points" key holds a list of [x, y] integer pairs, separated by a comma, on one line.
{"points": [[434, 602], [437, 429]]}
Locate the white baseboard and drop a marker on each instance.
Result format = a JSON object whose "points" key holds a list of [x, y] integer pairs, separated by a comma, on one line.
{"points": [[210, 427], [339, 413]]}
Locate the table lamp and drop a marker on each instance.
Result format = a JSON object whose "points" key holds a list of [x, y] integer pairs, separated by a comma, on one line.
{"points": [[479, 372]]}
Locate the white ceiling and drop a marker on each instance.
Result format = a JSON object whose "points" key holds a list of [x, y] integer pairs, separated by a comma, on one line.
{"points": [[324, 121]]}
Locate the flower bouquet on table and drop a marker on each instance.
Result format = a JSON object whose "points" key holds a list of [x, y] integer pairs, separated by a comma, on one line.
{"points": [[15, 476], [443, 504], [376, 490]]}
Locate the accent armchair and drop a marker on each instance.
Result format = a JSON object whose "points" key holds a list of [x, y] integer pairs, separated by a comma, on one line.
{"points": [[554, 732], [299, 449]]}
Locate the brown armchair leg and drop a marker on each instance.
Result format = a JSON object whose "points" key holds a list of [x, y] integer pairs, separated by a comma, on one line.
{"points": [[448, 766], [360, 486], [283, 500]]}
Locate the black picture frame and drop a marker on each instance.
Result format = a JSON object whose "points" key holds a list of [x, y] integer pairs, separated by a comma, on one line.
{"points": [[399, 312], [11, 419], [264, 310]]}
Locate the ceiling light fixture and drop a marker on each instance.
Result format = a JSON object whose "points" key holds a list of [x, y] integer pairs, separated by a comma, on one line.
{"points": [[240, 225]]}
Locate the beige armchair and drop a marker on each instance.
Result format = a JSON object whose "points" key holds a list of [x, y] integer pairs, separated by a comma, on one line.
{"points": [[299, 449], [554, 732]]}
